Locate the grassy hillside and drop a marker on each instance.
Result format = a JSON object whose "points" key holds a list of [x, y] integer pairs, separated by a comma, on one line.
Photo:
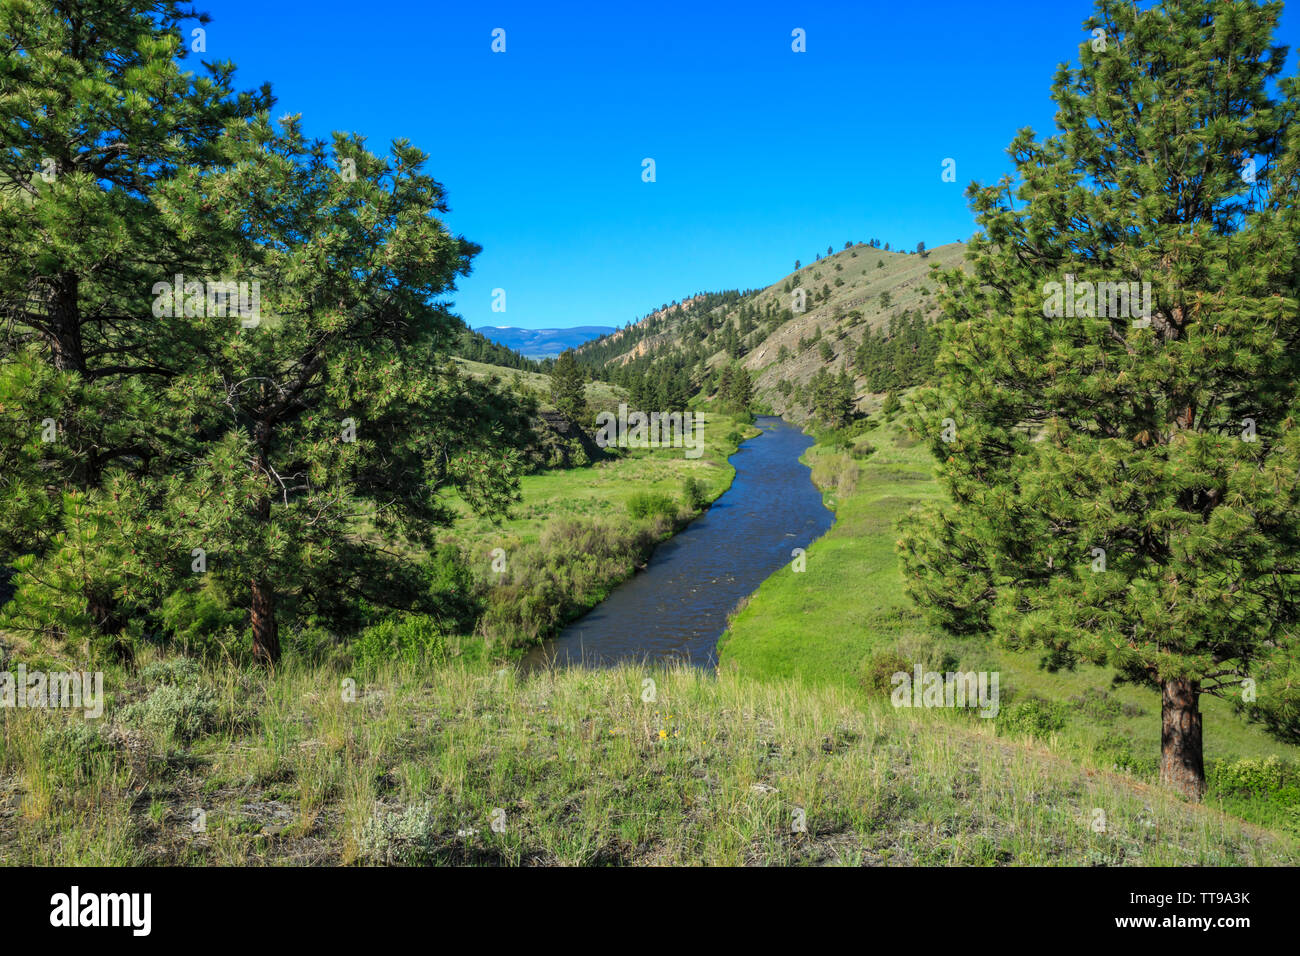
{"points": [[600, 395], [466, 764], [847, 294], [846, 621]]}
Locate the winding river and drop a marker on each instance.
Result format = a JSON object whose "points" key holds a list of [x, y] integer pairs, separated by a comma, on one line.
{"points": [[677, 608]]}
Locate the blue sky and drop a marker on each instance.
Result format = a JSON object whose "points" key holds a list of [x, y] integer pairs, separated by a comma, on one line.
{"points": [[762, 155]]}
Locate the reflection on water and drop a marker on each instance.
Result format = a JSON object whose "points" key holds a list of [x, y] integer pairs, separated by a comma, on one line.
{"points": [[677, 608]]}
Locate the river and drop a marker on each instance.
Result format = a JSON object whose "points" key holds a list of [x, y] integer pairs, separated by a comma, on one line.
{"points": [[676, 609]]}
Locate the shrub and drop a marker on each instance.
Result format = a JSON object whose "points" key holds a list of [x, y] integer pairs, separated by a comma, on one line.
{"points": [[182, 712], [1257, 777], [1097, 704], [74, 745], [176, 671], [407, 637], [205, 620], [649, 504], [450, 585], [1033, 716], [573, 566], [405, 837], [695, 493], [880, 668]]}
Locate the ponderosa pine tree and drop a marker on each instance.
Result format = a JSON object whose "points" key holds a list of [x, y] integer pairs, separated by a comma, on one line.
{"points": [[337, 395], [97, 119], [1125, 482], [282, 453], [568, 389]]}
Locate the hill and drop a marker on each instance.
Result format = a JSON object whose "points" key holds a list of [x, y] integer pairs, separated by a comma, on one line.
{"points": [[865, 311]]}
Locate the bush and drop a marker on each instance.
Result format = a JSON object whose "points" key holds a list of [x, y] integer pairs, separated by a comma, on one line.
{"points": [[695, 493], [175, 671], [450, 585], [407, 637], [1097, 704], [1033, 716], [1257, 777], [204, 620], [880, 668], [649, 504], [182, 712], [404, 837], [572, 567]]}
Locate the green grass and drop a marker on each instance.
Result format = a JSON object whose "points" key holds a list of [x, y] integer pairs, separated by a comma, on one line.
{"points": [[823, 627], [601, 490], [600, 395], [416, 765]]}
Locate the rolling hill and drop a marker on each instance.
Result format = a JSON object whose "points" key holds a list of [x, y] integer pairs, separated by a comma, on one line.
{"points": [[861, 291]]}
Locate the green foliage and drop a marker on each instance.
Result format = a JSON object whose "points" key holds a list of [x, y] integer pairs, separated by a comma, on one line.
{"points": [[650, 504], [695, 493], [203, 620], [899, 355], [572, 566], [1074, 427], [568, 389], [1033, 716], [736, 389], [181, 425], [175, 710], [879, 670], [1257, 777], [831, 399], [412, 638], [405, 837]]}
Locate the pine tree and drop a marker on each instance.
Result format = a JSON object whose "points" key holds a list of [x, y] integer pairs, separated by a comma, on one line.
{"points": [[1125, 483], [737, 390], [568, 388], [196, 443], [104, 135]]}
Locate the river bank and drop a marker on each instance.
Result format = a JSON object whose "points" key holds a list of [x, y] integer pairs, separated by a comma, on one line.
{"points": [[848, 623], [578, 533], [677, 607]]}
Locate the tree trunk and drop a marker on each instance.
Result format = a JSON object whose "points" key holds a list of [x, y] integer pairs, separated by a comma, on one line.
{"points": [[1182, 765], [106, 619], [266, 633], [64, 324]]}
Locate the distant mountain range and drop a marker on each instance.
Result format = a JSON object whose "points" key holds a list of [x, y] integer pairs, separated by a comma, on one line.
{"points": [[542, 343]]}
